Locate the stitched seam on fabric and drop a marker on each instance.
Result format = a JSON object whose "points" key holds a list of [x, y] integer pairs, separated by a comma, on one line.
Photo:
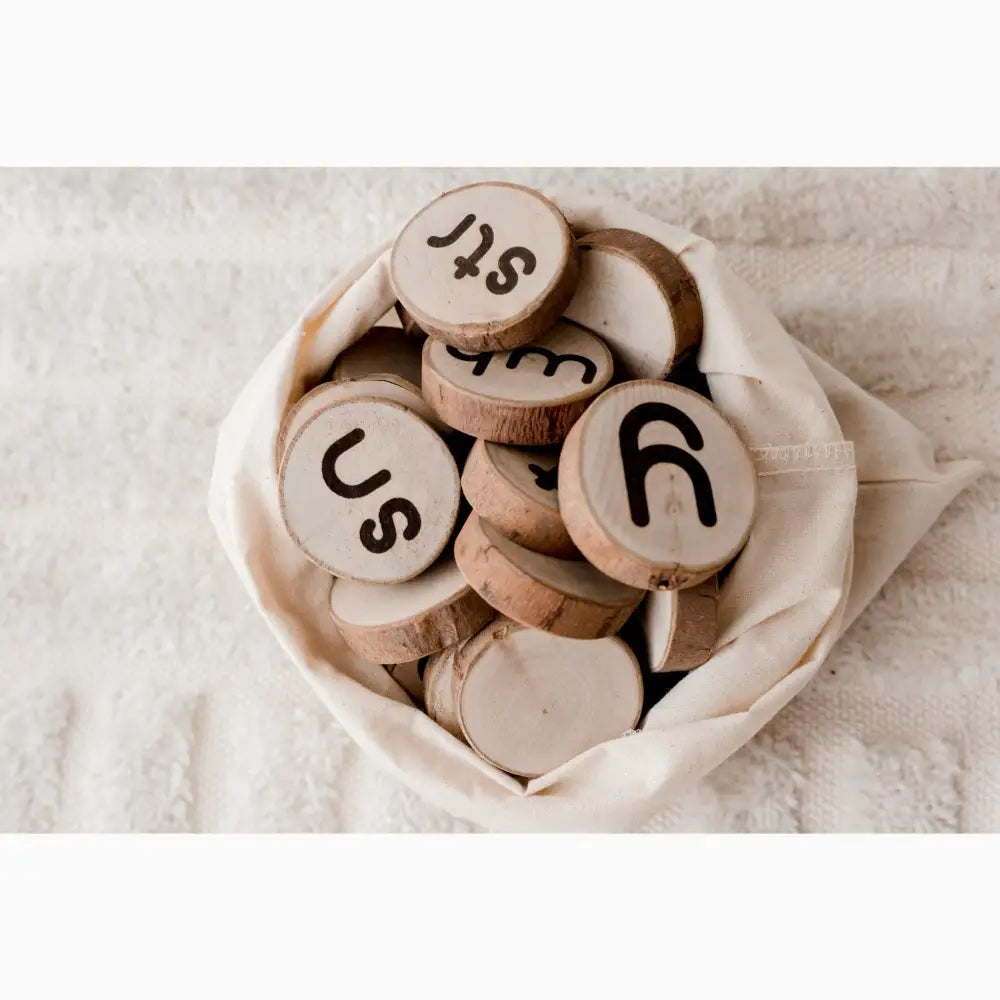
{"points": [[825, 456]]}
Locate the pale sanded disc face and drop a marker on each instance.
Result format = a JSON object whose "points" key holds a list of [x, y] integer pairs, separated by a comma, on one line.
{"points": [[482, 255], [381, 349], [369, 491], [577, 579], [531, 471], [532, 701], [566, 363], [390, 387], [620, 301], [374, 604], [658, 618], [664, 476]]}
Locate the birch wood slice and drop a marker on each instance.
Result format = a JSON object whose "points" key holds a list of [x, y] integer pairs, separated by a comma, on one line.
{"points": [[439, 698], [515, 489], [571, 599], [382, 350], [528, 701], [388, 387], [655, 487], [394, 623], [638, 296], [680, 626], [485, 267], [530, 395], [391, 318], [408, 675], [409, 325], [369, 491]]}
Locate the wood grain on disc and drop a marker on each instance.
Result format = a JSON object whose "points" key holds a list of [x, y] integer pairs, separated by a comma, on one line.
{"points": [[382, 350], [369, 491], [529, 395], [680, 626], [393, 623], [655, 487], [439, 697], [485, 267], [567, 598], [640, 298], [515, 489], [389, 387], [528, 701]]}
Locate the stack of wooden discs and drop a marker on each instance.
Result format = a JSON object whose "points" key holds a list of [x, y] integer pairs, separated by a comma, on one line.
{"points": [[505, 474]]}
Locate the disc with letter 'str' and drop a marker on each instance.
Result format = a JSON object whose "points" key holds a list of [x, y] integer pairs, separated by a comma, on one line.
{"points": [[529, 395], [485, 267], [368, 491], [655, 487]]}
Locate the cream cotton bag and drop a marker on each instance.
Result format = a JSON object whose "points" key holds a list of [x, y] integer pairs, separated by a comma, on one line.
{"points": [[847, 486]]}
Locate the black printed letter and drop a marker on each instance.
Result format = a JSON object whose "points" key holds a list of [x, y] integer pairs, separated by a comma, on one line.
{"points": [[330, 477], [482, 360], [545, 479], [522, 254], [395, 506], [553, 361], [636, 461], [453, 236], [467, 265]]}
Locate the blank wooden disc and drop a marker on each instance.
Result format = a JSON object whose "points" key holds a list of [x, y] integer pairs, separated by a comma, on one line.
{"points": [[528, 701], [389, 387], [530, 395], [391, 318], [369, 491], [407, 322], [567, 598], [655, 487], [680, 626], [515, 489], [382, 350], [640, 298], [393, 623], [408, 675], [439, 697], [485, 267]]}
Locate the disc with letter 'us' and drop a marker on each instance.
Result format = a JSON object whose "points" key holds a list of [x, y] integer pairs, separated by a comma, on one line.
{"points": [[369, 491]]}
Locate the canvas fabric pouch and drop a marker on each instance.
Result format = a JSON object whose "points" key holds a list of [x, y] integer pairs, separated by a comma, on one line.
{"points": [[847, 486]]}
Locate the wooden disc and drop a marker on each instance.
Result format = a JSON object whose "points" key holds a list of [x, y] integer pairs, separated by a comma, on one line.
{"points": [[369, 491], [439, 698], [655, 487], [408, 323], [640, 298], [571, 599], [485, 267], [391, 318], [382, 350], [389, 387], [394, 623], [680, 626], [528, 701], [515, 490], [530, 395], [409, 675]]}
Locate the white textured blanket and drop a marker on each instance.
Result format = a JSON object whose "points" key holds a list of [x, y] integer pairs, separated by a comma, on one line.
{"points": [[140, 691]]}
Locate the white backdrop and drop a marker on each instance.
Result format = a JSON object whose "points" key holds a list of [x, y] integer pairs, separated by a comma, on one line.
{"points": [[140, 691]]}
